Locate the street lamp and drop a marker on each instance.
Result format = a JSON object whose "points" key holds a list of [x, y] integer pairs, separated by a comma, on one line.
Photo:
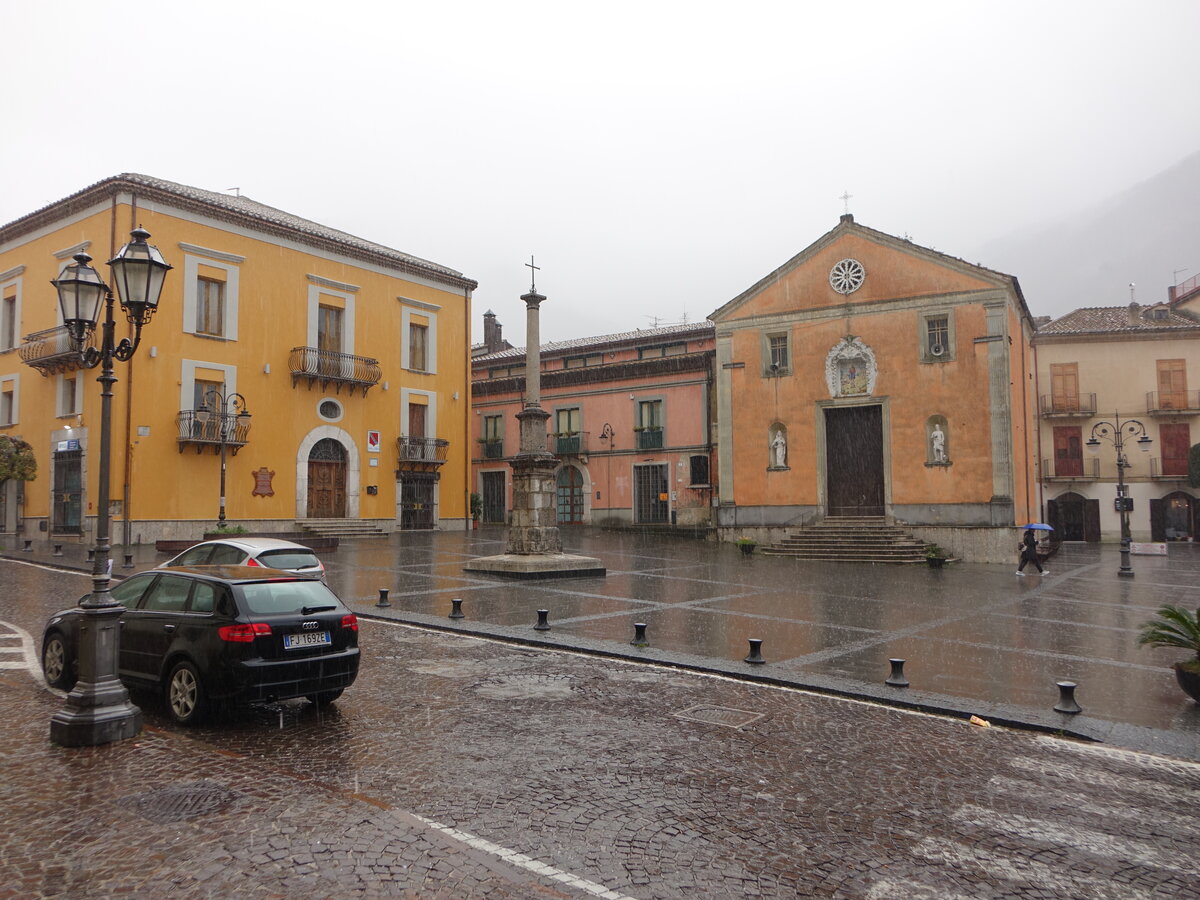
{"points": [[229, 424], [98, 710], [1117, 434]]}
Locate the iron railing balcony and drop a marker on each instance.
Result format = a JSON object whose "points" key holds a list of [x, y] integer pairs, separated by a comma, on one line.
{"points": [[1070, 469], [339, 369], [50, 351], [569, 443], [493, 449], [1173, 403], [422, 450], [203, 428], [648, 438], [1168, 468], [1079, 406]]}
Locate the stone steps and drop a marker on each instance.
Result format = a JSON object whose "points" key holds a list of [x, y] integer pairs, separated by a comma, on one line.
{"points": [[341, 528], [851, 539]]}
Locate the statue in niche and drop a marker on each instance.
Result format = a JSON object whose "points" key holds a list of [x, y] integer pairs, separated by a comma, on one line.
{"points": [[938, 442], [779, 450]]}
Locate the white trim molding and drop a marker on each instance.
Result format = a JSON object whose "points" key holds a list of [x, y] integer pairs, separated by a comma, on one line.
{"points": [[353, 464], [226, 262]]}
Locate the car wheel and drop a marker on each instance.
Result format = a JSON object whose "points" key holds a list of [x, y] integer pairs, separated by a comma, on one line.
{"points": [[58, 668], [325, 697], [185, 694]]}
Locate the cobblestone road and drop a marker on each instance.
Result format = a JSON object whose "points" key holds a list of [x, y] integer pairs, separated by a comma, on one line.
{"points": [[458, 767]]}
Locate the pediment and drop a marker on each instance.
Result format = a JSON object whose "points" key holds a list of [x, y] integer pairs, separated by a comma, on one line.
{"points": [[857, 265]]}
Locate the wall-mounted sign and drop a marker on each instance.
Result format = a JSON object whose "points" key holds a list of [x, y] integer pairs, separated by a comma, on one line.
{"points": [[372, 441], [262, 483]]}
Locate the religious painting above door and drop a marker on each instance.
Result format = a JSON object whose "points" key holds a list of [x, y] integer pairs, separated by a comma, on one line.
{"points": [[850, 368]]}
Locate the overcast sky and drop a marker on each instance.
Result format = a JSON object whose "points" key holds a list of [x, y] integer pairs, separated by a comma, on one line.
{"points": [[657, 158]]}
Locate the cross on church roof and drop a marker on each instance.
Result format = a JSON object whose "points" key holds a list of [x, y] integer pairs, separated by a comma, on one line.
{"points": [[845, 198], [532, 275]]}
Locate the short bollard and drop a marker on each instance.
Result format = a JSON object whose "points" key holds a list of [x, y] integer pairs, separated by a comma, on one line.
{"points": [[128, 564], [1066, 698], [755, 656], [897, 679], [383, 599], [542, 624], [28, 548], [639, 635], [57, 550], [456, 608]]}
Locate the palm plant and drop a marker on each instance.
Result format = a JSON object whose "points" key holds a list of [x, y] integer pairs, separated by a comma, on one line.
{"points": [[1174, 627]]}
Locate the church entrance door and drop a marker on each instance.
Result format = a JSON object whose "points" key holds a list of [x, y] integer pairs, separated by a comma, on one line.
{"points": [[854, 461], [327, 480]]}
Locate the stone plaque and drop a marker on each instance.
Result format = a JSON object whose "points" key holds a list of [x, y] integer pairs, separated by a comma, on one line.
{"points": [[262, 483]]}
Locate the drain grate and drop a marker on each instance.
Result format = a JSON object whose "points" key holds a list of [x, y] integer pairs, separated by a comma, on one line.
{"points": [[719, 715], [181, 802]]}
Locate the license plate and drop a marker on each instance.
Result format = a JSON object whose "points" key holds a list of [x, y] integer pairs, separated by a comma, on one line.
{"points": [[305, 639]]}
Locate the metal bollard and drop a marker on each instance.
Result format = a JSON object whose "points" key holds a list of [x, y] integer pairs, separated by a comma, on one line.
{"points": [[57, 550], [128, 564], [1066, 698], [639, 635], [755, 656], [28, 548], [456, 608], [383, 599], [897, 679], [542, 624]]}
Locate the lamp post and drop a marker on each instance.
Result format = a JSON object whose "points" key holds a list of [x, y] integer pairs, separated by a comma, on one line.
{"points": [[98, 710], [1116, 433], [236, 423], [607, 434]]}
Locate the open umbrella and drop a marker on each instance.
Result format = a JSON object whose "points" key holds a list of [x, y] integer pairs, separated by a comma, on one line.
{"points": [[1037, 526]]}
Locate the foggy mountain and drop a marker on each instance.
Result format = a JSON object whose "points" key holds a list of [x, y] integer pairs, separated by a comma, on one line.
{"points": [[1141, 235]]}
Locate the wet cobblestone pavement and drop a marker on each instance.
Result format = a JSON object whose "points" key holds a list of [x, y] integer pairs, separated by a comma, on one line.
{"points": [[459, 766]]}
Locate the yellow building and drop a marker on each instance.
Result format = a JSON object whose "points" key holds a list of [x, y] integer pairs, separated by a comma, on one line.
{"points": [[352, 360]]}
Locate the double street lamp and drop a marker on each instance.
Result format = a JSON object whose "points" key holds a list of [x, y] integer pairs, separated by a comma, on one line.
{"points": [[1117, 433], [231, 425], [98, 710]]}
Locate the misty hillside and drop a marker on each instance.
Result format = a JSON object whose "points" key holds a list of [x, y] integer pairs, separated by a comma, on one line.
{"points": [[1089, 258]]}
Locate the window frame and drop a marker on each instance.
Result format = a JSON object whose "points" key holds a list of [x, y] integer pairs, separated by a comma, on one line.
{"points": [[10, 388], [205, 288], [230, 264], [772, 366], [925, 345]]}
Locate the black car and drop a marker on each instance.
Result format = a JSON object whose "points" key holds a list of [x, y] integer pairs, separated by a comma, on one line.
{"points": [[220, 634]]}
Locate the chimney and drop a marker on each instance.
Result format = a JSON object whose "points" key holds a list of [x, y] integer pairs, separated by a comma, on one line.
{"points": [[1171, 294], [1135, 313], [491, 333]]}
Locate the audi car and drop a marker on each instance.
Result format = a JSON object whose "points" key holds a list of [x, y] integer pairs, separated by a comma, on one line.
{"points": [[270, 553], [213, 635]]}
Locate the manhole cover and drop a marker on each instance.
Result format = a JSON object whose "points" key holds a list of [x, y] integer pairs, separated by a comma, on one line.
{"points": [[526, 687], [180, 802], [719, 715]]}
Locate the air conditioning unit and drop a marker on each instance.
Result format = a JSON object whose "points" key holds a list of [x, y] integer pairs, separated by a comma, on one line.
{"points": [[937, 350]]}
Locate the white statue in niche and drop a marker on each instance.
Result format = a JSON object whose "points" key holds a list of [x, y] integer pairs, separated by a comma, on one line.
{"points": [[938, 440], [779, 450]]}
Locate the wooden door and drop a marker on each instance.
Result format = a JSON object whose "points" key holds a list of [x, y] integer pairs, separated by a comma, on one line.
{"points": [[327, 480], [1176, 440], [854, 461], [494, 505], [1064, 386], [1172, 384], [1068, 451]]}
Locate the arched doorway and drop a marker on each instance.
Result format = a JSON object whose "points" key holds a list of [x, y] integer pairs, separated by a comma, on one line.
{"points": [[1173, 518], [570, 496], [1074, 517], [327, 480]]}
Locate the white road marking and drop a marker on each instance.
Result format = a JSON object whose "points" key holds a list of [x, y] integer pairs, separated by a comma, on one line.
{"points": [[1072, 773], [524, 862], [1069, 797], [22, 657]]}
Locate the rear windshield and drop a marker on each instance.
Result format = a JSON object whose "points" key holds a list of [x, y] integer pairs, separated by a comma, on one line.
{"points": [[288, 559], [267, 597]]}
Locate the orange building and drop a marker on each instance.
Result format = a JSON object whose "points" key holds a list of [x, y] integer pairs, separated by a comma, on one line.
{"points": [[868, 376]]}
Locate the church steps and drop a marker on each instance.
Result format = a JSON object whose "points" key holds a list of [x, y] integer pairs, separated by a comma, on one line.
{"points": [[851, 539], [341, 528]]}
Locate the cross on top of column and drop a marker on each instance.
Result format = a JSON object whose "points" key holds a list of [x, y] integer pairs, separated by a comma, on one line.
{"points": [[532, 275]]}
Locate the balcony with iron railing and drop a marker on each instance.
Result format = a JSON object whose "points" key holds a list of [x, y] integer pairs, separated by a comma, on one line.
{"points": [[201, 428], [421, 454], [1074, 469], [50, 351], [1173, 403], [325, 367], [573, 443], [648, 438], [491, 448], [1171, 468], [1076, 405]]}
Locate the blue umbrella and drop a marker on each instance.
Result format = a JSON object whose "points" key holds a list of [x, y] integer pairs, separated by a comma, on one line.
{"points": [[1037, 526]]}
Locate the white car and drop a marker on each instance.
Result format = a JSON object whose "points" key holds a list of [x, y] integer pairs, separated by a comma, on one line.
{"points": [[271, 553]]}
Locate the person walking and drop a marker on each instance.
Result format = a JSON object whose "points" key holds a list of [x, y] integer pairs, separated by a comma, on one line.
{"points": [[1029, 553]]}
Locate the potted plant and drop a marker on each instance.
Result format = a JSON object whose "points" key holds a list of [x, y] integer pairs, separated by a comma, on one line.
{"points": [[476, 509], [935, 556], [746, 545], [1175, 626]]}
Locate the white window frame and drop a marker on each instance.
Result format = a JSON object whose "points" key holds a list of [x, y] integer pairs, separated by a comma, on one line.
{"points": [[315, 293], [60, 379], [13, 383], [406, 395], [187, 380], [925, 349], [195, 257], [767, 371], [12, 279], [406, 324]]}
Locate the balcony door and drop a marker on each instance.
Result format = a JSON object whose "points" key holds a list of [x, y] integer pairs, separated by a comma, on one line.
{"points": [[1068, 452], [327, 480]]}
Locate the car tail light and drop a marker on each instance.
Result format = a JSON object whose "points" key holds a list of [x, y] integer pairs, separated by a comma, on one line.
{"points": [[254, 562], [243, 634], [350, 621]]}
